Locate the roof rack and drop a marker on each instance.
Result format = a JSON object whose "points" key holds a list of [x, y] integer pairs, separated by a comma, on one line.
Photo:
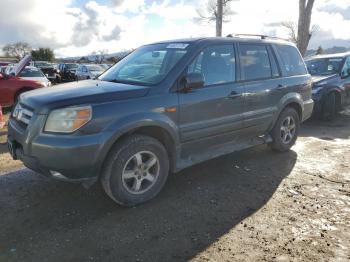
{"points": [[257, 35]]}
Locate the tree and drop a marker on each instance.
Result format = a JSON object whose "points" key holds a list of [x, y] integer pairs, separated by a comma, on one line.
{"points": [[319, 51], [304, 22], [19, 49], [292, 31], [99, 56], [43, 54], [301, 33], [218, 11]]}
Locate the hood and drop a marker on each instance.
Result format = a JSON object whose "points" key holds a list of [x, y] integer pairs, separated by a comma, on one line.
{"points": [[323, 80], [78, 93], [42, 80], [21, 64]]}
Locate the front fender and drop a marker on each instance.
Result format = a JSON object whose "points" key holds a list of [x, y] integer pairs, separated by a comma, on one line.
{"points": [[131, 122]]}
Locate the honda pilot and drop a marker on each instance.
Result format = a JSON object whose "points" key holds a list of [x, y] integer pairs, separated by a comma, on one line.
{"points": [[164, 107]]}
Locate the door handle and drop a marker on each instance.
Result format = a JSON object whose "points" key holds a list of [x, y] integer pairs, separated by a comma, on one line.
{"points": [[234, 95], [281, 87]]}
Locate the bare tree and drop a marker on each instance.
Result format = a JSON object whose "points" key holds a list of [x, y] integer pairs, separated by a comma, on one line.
{"points": [[19, 49], [218, 11], [301, 33], [304, 22], [292, 30], [99, 56]]}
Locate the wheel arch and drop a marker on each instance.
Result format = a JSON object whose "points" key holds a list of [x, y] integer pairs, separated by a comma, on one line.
{"points": [[158, 130], [293, 100]]}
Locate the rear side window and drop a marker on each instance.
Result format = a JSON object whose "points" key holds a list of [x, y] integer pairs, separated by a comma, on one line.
{"points": [[255, 62], [216, 63], [293, 63]]}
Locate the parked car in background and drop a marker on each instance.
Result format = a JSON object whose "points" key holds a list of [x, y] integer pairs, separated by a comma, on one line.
{"points": [[49, 69], [88, 71], [331, 83], [3, 69], [12, 86], [165, 107], [67, 71], [31, 73], [106, 66]]}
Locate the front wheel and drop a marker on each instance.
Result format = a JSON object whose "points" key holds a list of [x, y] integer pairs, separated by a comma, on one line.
{"points": [[136, 170], [286, 129]]}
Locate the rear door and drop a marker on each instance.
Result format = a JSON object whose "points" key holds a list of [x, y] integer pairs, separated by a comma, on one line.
{"points": [[210, 112], [263, 86]]}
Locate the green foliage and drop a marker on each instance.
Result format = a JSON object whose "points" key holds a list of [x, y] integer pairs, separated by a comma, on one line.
{"points": [[319, 51], [43, 54]]}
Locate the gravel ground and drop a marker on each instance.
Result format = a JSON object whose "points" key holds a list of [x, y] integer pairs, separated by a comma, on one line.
{"points": [[255, 205]]}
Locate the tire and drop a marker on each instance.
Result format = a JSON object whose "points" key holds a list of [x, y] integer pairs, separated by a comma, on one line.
{"points": [[280, 142], [329, 108], [119, 179]]}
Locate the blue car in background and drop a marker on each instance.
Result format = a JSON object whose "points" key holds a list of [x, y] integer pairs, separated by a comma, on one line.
{"points": [[331, 83]]}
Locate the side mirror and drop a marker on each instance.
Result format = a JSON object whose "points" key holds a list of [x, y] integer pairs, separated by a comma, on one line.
{"points": [[193, 81]]}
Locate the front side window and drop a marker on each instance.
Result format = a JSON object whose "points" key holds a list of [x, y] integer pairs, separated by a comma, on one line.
{"points": [[292, 61], [346, 67], [148, 65], [217, 64], [324, 66], [255, 62]]}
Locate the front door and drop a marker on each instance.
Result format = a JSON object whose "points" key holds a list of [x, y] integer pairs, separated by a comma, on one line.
{"points": [[212, 114]]}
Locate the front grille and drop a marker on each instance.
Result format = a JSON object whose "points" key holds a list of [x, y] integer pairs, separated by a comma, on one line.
{"points": [[22, 114]]}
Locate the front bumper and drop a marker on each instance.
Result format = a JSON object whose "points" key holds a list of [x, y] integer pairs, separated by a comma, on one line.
{"points": [[65, 157]]}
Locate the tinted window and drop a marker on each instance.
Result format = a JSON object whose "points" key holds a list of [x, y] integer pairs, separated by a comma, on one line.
{"points": [[255, 62], [293, 63], [216, 63]]}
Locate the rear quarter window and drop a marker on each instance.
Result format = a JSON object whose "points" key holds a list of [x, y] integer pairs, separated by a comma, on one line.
{"points": [[292, 62]]}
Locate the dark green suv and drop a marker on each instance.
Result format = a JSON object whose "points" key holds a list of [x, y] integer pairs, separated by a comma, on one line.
{"points": [[165, 107]]}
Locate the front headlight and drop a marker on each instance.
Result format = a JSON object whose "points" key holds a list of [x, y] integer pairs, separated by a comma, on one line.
{"points": [[68, 120]]}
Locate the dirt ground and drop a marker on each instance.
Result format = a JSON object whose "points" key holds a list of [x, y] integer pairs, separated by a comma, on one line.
{"points": [[254, 205]]}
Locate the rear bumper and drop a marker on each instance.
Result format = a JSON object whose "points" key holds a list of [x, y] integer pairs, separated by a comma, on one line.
{"points": [[308, 109]]}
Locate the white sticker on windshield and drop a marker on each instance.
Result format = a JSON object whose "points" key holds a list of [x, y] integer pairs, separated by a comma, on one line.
{"points": [[177, 45]]}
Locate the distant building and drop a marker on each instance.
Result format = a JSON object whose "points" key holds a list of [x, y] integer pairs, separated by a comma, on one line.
{"points": [[7, 60]]}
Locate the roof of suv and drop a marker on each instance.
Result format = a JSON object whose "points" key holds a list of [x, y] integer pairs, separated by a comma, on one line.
{"points": [[328, 56], [265, 39]]}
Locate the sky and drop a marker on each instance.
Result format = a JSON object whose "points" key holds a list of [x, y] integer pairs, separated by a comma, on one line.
{"points": [[80, 27]]}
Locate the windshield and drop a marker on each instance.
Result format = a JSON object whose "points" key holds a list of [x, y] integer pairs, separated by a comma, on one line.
{"points": [[31, 72], [41, 64], [95, 68], [324, 66], [147, 65]]}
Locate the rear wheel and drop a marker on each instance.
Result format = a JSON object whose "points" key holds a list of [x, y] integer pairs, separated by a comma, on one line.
{"points": [[136, 170], [329, 109], [286, 129]]}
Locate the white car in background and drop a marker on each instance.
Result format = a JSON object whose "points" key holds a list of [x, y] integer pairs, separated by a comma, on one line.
{"points": [[88, 71], [31, 73]]}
